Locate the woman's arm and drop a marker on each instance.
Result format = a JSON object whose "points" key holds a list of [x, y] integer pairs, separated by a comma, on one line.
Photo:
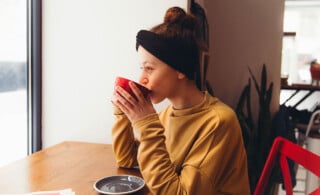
{"points": [[215, 162], [124, 143]]}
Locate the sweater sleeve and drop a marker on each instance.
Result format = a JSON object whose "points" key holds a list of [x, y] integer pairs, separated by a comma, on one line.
{"points": [[160, 174], [212, 166], [124, 144]]}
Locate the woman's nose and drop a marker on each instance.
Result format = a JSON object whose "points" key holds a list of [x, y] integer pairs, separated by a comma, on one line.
{"points": [[143, 80]]}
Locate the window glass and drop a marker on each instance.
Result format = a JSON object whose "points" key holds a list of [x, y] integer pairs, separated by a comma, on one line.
{"points": [[13, 80], [299, 50]]}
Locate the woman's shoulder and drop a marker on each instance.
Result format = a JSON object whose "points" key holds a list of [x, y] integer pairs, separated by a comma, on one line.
{"points": [[217, 108]]}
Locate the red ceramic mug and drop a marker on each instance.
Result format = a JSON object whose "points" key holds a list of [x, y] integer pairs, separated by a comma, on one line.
{"points": [[124, 83]]}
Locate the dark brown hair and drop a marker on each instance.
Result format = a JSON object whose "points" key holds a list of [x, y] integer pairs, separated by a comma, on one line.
{"points": [[180, 25]]}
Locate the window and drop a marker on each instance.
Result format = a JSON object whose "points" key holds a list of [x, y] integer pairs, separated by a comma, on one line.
{"points": [[20, 78], [13, 81], [301, 44]]}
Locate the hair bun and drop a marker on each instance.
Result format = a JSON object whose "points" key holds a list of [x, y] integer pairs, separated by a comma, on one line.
{"points": [[174, 14]]}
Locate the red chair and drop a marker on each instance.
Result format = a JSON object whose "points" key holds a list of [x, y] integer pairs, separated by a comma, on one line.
{"points": [[281, 150]]}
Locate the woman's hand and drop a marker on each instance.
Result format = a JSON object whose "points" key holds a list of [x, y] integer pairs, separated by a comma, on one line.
{"points": [[134, 108]]}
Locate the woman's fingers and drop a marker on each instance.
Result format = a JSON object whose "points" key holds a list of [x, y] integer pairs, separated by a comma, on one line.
{"points": [[134, 108], [137, 92], [125, 96]]}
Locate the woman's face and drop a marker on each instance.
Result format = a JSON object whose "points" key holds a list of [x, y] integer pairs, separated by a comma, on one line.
{"points": [[157, 76]]}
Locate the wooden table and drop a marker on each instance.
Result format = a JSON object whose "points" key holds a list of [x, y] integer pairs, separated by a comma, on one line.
{"points": [[75, 165]]}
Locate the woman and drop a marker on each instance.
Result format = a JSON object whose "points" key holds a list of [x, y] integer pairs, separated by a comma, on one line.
{"points": [[194, 146]]}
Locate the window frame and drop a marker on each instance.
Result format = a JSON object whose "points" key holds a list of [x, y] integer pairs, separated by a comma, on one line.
{"points": [[34, 63]]}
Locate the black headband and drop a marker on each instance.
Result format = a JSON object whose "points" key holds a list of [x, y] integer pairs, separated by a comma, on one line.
{"points": [[173, 52]]}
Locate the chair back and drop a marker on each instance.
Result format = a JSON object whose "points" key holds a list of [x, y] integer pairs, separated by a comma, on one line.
{"points": [[282, 150], [313, 124]]}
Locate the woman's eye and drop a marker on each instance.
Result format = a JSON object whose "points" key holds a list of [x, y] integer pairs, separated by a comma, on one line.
{"points": [[149, 68], [146, 68]]}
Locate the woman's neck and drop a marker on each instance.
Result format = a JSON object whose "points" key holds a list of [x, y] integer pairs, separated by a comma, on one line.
{"points": [[187, 98]]}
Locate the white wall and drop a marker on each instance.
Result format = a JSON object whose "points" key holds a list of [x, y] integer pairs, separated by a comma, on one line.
{"points": [[86, 44]]}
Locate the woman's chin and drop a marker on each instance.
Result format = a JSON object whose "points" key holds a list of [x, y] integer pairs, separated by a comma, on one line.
{"points": [[156, 100]]}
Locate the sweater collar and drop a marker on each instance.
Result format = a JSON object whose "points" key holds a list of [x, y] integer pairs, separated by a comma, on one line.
{"points": [[196, 108]]}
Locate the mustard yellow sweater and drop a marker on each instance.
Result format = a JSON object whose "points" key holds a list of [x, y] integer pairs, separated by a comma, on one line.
{"points": [[196, 151]]}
